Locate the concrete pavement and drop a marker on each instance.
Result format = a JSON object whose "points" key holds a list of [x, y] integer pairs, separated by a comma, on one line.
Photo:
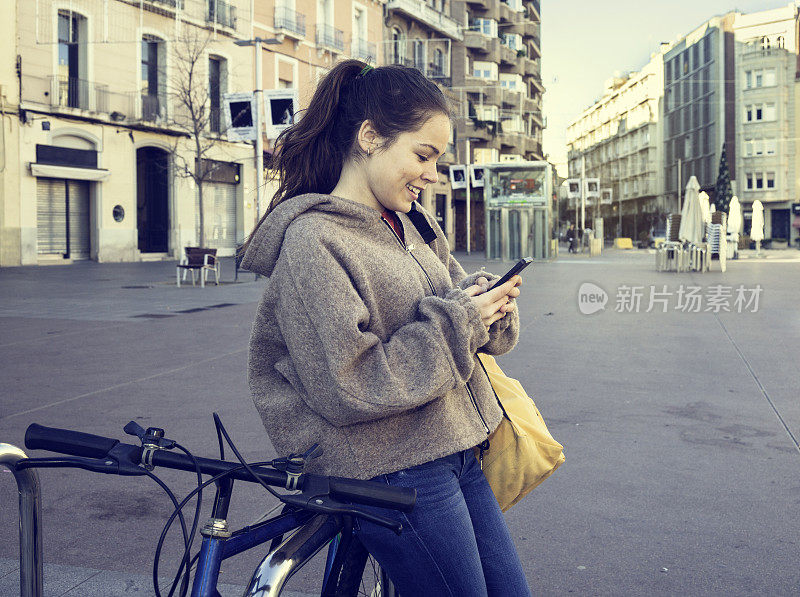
{"points": [[679, 426]]}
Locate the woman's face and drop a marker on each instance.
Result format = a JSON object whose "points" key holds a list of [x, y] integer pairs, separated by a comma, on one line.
{"points": [[397, 173]]}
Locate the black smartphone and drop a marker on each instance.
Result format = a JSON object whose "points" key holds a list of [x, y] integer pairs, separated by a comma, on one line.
{"points": [[518, 267]]}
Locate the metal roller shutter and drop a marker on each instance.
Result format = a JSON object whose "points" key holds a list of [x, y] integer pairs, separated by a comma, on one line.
{"points": [[62, 217], [220, 215], [78, 195], [51, 216]]}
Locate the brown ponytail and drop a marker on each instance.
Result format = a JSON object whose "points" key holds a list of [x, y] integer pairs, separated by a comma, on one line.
{"points": [[309, 155]]}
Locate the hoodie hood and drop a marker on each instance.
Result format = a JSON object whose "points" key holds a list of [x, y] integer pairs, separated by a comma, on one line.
{"points": [[265, 246]]}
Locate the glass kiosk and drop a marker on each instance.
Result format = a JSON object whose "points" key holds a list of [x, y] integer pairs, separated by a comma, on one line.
{"points": [[518, 207]]}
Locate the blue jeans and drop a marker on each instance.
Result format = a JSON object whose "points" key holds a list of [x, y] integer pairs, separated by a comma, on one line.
{"points": [[455, 542]]}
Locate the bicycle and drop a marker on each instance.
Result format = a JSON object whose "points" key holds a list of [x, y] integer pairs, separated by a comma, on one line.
{"points": [[320, 513]]}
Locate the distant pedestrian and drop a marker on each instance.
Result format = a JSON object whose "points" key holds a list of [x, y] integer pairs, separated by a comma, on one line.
{"points": [[571, 238]]}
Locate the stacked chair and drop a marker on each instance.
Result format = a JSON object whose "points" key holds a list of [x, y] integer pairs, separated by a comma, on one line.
{"points": [[670, 255], [717, 239]]}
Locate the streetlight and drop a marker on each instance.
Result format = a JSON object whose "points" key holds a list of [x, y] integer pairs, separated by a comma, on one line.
{"points": [[256, 43], [467, 176]]}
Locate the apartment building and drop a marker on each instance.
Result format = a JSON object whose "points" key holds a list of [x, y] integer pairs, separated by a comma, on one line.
{"points": [[767, 119], [97, 139], [620, 140], [496, 76], [699, 107], [313, 36]]}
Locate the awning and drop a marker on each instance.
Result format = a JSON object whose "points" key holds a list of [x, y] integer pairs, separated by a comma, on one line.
{"points": [[70, 172]]}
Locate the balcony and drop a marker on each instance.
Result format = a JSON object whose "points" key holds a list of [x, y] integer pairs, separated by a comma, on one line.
{"points": [[221, 13], [475, 40], [537, 8], [419, 10], [512, 143], [508, 57], [330, 38], [80, 94], [531, 67], [290, 22], [363, 50]]}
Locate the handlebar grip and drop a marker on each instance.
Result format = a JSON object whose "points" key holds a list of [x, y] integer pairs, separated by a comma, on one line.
{"points": [[371, 493], [65, 441]]}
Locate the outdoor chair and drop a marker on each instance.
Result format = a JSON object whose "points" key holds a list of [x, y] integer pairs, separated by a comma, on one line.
{"points": [[200, 260]]}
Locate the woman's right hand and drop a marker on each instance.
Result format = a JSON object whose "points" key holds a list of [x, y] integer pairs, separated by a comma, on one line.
{"points": [[491, 303]]}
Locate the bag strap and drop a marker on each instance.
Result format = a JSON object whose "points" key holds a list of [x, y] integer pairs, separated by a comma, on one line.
{"points": [[421, 224], [489, 379]]}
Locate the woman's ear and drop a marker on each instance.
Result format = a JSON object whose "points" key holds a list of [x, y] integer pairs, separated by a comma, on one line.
{"points": [[367, 138]]}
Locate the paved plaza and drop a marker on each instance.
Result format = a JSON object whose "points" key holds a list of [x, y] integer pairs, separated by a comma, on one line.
{"points": [[674, 394]]}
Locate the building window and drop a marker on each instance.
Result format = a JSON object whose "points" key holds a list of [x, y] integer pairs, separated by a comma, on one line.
{"points": [[770, 176], [398, 49], [419, 55], [486, 26], [759, 180], [748, 113], [749, 178], [438, 63], [770, 146], [748, 79], [152, 78], [484, 70], [73, 89], [217, 75], [707, 48], [769, 112]]}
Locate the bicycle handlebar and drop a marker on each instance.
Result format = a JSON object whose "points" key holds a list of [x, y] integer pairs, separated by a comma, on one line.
{"points": [[126, 459]]}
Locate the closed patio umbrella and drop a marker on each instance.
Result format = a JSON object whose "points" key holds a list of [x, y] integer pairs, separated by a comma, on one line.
{"points": [[735, 217], [704, 207], [757, 226], [734, 226], [692, 224]]}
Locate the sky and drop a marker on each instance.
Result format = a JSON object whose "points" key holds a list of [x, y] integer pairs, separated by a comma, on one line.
{"points": [[584, 42]]}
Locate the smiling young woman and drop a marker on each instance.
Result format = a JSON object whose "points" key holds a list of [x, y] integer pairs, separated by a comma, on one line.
{"points": [[366, 337]]}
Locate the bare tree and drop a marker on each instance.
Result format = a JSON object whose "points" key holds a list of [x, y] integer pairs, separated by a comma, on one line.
{"points": [[191, 95]]}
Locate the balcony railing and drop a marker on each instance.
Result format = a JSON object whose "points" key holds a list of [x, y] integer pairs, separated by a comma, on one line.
{"points": [[70, 92], [222, 13], [330, 37], [364, 50], [421, 11], [152, 107], [173, 4], [431, 56], [290, 20]]}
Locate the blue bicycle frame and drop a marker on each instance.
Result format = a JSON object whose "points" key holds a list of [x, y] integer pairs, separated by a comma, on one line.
{"points": [[279, 564]]}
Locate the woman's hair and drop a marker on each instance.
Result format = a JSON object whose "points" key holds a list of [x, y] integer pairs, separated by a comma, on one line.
{"points": [[309, 155]]}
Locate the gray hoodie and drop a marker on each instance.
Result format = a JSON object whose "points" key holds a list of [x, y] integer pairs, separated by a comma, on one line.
{"points": [[366, 346]]}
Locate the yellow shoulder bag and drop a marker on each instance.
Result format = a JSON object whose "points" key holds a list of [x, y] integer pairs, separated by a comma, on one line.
{"points": [[521, 452]]}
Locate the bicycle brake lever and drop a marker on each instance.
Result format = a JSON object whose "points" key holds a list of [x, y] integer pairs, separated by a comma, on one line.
{"points": [[325, 505]]}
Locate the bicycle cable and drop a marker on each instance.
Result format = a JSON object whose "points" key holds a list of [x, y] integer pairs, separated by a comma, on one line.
{"points": [[177, 510], [187, 552], [177, 513]]}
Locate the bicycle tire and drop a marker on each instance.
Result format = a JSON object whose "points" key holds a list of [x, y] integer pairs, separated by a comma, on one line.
{"points": [[362, 576]]}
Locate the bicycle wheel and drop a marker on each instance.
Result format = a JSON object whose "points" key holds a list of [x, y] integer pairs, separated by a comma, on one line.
{"points": [[362, 576]]}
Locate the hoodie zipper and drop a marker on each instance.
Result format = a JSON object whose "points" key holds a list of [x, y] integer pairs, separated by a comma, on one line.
{"points": [[408, 250]]}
